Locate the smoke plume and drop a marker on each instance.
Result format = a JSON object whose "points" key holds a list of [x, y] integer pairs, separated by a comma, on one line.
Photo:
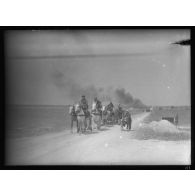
{"points": [[126, 98], [74, 91]]}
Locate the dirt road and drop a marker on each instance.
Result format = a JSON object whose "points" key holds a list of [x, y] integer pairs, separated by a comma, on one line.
{"points": [[109, 146]]}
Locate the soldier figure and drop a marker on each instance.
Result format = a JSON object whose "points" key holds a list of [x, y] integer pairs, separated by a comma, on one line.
{"points": [[84, 104], [98, 104], [110, 106]]}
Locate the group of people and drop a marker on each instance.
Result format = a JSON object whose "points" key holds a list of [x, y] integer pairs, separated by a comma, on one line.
{"points": [[122, 115], [84, 105]]}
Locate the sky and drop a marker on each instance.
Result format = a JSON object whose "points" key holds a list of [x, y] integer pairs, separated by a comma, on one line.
{"points": [[57, 67]]}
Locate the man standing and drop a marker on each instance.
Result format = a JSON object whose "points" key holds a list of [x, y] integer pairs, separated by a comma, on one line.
{"points": [[126, 119], [84, 104], [130, 121], [120, 112], [110, 107], [120, 108], [98, 104]]}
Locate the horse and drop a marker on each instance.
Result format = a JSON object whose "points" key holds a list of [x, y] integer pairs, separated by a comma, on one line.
{"points": [[73, 115], [80, 118], [96, 117], [104, 115], [109, 115], [88, 120], [126, 120], [118, 115]]}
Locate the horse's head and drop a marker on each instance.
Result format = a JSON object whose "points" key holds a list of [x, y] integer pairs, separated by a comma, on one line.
{"points": [[104, 111], [87, 113], [95, 109], [77, 107], [71, 109], [94, 106]]}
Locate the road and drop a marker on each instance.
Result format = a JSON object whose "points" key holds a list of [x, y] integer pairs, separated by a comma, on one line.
{"points": [[108, 146]]}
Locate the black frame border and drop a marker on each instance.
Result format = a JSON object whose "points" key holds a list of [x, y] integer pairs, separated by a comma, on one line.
{"points": [[89, 167]]}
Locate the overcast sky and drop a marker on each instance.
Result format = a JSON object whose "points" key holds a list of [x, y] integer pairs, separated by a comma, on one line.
{"points": [[42, 66]]}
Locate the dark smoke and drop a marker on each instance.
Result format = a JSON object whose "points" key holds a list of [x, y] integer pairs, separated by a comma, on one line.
{"points": [[127, 99], [75, 90], [123, 97]]}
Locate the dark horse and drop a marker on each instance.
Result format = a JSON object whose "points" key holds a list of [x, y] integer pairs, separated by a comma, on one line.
{"points": [[118, 115], [110, 115]]}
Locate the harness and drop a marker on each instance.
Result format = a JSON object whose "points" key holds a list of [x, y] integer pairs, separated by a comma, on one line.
{"points": [[96, 112], [73, 113], [110, 107], [80, 114], [84, 112], [84, 104]]}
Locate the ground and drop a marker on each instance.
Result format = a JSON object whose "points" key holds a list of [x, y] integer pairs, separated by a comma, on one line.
{"points": [[108, 146]]}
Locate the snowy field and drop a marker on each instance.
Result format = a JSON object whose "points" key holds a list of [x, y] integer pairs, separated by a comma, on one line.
{"points": [[151, 143]]}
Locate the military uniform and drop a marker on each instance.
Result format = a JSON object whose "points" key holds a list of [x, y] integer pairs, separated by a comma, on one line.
{"points": [[110, 106], [120, 112], [98, 105], [120, 108], [126, 119], [84, 104]]}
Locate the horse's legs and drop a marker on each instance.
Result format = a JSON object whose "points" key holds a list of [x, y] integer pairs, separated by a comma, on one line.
{"points": [[122, 123], [90, 123], [118, 121], [71, 125], [129, 124], [107, 117], [103, 120], [81, 125], [99, 122], [93, 122], [85, 123], [77, 125]]}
